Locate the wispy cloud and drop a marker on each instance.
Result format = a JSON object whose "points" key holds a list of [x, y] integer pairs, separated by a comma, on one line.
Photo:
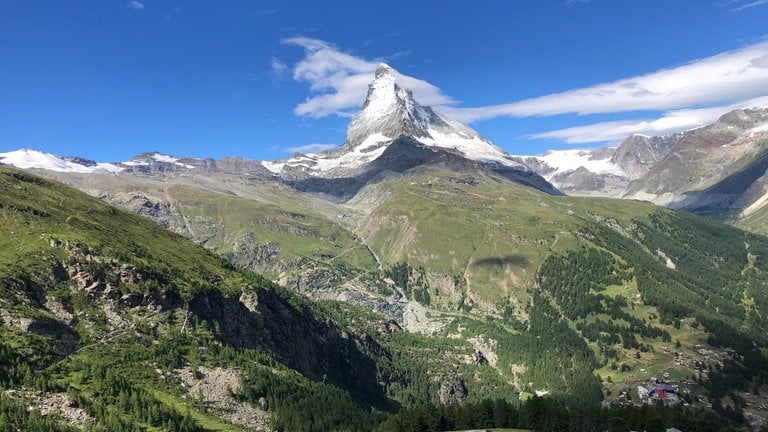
{"points": [[135, 5], [278, 69], [339, 81], [725, 77], [265, 12], [311, 148], [669, 122], [748, 4]]}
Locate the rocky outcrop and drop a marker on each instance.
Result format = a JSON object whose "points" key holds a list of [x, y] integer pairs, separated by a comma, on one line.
{"points": [[263, 320], [637, 154], [452, 391]]}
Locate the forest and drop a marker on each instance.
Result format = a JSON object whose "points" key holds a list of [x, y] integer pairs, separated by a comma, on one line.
{"points": [[550, 415]]}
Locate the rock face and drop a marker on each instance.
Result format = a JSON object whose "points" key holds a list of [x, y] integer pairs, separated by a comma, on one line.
{"points": [[452, 391], [391, 111], [581, 172], [603, 171], [637, 154], [265, 321], [715, 168]]}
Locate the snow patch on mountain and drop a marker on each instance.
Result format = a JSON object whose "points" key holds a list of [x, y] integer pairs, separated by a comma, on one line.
{"points": [[316, 163], [472, 147], [26, 159], [148, 158], [563, 161], [758, 129]]}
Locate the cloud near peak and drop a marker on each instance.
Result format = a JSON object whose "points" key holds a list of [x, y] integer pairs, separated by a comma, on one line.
{"points": [[688, 95], [338, 82], [311, 148]]}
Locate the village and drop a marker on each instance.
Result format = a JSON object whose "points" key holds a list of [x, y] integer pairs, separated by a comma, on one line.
{"points": [[665, 389]]}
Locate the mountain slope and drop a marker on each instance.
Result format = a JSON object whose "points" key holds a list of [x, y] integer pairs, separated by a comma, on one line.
{"points": [[717, 170], [704, 159], [628, 279], [111, 313]]}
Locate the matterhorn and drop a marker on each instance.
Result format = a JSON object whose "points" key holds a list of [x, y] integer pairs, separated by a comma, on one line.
{"points": [[394, 133]]}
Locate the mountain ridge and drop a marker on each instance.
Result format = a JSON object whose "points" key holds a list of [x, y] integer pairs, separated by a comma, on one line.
{"points": [[377, 139]]}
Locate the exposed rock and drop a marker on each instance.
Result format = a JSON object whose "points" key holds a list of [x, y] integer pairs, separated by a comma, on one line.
{"points": [[479, 359], [452, 391], [59, 404], [583, 182], [711, 169], [637, 154], [293, 337], [216, 387]]}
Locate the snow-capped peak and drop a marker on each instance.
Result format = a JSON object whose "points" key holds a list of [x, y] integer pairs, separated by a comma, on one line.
{"points": [[26, 159], [391, 111], [146, 159]]}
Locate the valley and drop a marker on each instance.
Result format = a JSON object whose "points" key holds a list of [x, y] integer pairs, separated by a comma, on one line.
{"points": [[416, 267]]}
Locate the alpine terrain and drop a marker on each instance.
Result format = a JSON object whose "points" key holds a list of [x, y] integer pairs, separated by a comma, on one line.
{"points": [[716, 170], [417, 277]]}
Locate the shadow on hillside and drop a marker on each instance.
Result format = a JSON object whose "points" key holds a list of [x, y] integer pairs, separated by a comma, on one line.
{"points": [[264, 321], [516, 260], [728, 191]]}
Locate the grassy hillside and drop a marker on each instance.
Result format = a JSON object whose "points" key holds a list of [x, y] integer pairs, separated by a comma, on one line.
{"points": [[569, 286], [756, 221], [112, 323], [507, 292], [492, 235], [259, 225]]}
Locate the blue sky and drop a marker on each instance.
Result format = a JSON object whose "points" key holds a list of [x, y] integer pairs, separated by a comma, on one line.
{"points": [[107, 79]]}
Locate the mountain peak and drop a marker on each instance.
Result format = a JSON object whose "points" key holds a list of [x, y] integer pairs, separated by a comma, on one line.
{"points": [[384, 70], [391, 111], [392, 132], [388, 112], [391, 114]]}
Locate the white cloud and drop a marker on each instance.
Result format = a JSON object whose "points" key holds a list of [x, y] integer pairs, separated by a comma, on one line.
{"points": [[278, 68], [689, 95], [749, 5], [725, 77], [760, 62], [265, 12], [670, 122], [311, 148], [135, 5], [339, 81]]}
